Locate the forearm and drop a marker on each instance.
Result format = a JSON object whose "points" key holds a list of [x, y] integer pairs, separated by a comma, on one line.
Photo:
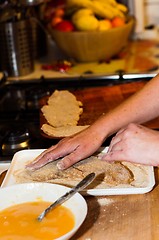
{"points": [[139, 108]]}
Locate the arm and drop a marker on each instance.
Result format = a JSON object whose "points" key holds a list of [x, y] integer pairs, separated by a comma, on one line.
{"points": [[139, 108]]}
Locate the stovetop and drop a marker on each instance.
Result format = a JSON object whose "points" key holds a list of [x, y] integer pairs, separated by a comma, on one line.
{"points": [[20, 109]]}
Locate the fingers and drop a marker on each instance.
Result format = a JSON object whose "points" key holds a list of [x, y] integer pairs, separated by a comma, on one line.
{"points": [[69, 160], [41, 160], [125, 133], [115, 154], [116, 139], [58, 151], [120, 148], [51, 154]]}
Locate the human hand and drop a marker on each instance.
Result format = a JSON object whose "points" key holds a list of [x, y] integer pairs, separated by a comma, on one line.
{"points": [[70, 149], [136, 144]]}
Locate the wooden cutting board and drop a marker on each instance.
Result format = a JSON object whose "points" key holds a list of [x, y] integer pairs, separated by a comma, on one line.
{"points": [[99, 100]]}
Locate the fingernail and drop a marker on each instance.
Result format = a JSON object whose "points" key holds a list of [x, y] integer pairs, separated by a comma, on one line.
{"points": [[60, 165]]}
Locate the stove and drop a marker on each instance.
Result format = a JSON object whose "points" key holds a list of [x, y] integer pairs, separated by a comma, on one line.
{"points": [[20, 109], [20, 118]]}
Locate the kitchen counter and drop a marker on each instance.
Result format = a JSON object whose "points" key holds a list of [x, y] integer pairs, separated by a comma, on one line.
{"points": [[132, 217], [138, 57]]}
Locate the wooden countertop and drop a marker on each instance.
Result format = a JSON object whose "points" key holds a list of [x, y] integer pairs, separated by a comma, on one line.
{"points": [[99, 100], [132, 217]]}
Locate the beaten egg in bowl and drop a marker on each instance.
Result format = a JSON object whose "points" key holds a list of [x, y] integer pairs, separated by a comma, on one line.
{"points": [[21, 204]]}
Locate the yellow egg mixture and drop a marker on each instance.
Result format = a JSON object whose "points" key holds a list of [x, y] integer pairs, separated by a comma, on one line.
{"points": [[20, 222]]}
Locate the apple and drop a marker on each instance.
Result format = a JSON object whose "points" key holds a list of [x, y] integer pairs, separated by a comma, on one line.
{"points": [[65, 26]]}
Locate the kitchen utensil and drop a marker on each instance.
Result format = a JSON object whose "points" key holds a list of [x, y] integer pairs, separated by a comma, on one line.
{"points": [[80, 186], [16, 56]]}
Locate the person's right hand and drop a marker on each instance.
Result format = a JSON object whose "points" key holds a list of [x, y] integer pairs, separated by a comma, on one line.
{"points": [[70, 149]]}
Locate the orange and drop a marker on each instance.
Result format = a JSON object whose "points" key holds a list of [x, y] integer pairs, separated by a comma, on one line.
{"points": [[55, 20], [59, 12], [118, 22]]}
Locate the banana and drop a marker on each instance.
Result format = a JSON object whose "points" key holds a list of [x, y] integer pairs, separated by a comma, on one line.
{"points": [[101, 8], [115, 11], [106, 10], [78, 3], [122, 7], [110, 2]]}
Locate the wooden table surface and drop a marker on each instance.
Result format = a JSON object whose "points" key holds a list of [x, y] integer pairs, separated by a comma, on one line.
{"points": [[132, 217], [99, 100]]}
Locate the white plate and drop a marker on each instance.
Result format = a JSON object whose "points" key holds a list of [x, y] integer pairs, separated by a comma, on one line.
{"points": [[4, 166], [22, 157]]}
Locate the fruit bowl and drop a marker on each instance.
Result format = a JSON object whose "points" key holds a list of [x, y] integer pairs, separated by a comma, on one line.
{"points": [[91, 46]]}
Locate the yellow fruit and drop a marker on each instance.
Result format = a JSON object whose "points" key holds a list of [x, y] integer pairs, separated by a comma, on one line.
{"points": [[79, 3], [122, 7], [109, 2], [80, 13], [104, 25], [86, 23], [102, 10], [84, 20]]}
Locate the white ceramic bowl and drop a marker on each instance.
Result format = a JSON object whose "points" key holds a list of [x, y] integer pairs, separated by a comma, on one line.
{"points": [[26, 192]]}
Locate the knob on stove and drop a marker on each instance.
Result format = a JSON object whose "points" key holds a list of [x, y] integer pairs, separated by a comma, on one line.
{"points": [[16, 139]]}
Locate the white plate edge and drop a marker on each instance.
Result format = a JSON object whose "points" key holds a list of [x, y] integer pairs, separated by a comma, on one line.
{"points": [[92, 192]]}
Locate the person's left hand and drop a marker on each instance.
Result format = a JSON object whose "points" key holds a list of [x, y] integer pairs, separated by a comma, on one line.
{"points": [[136, 144]]}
